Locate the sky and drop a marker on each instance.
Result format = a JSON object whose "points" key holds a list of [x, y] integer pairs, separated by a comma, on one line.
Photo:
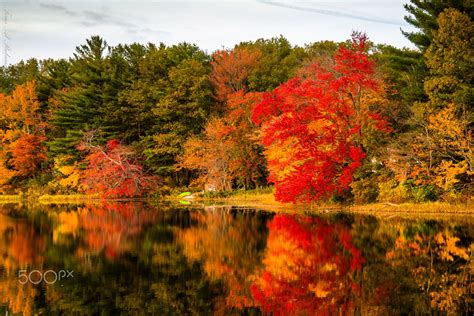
{"points": [[52, 28]]}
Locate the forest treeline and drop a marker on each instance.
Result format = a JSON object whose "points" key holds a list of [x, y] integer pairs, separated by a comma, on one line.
{"points": [[343, 121]]}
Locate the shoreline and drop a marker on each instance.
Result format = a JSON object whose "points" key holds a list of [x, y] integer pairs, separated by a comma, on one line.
{"points": [[264, 202]]}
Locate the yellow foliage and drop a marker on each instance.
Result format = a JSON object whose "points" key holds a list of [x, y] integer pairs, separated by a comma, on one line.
{"points": [[72, 173], [448, 248], [450, 129], [390, 191], [452, 135], [282, 153], [19, 110], [68, 224], [447, 172], [319, 289]]}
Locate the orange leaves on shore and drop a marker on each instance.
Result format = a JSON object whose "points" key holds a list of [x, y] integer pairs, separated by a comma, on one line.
{"points": [[210, 155], [228, 154], [229, 149]]}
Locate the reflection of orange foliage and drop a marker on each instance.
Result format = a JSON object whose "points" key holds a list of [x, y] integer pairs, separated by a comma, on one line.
{"points": [[439, 266], [308, 267], [26, 246], [20, 244], [20, 247], [228, 247], [19, 297], [112, 227]]}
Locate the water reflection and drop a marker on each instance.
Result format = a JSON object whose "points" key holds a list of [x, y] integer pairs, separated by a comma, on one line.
{"points": [[229, 246], [21, 247], [310, 267], [108, 228], [133, 258]]}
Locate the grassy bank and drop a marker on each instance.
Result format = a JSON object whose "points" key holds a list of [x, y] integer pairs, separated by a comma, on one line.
{"points": [[10, 199], [49, 199], [68, 199], [264, 199]]}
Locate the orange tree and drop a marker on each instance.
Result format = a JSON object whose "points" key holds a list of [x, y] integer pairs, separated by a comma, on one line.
{"points": [[22, 133]]}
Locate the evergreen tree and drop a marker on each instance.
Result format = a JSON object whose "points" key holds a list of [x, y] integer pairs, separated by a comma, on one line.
{"points": [[170, 100], [80, 105], [17, 74], [423, 15]]}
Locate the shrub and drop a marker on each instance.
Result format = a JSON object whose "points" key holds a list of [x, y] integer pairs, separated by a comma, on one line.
{"points": [[392, 191]]}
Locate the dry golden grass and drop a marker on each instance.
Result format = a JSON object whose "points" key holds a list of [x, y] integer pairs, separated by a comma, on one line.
{"points": [[266, 201], [68, 199], [10, 199]]}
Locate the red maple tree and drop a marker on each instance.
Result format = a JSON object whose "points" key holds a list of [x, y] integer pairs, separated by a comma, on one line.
{"points": [[312, 125], [114, 171]]}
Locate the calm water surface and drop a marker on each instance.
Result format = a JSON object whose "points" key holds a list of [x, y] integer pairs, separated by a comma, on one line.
{"points": [[138, 259]]}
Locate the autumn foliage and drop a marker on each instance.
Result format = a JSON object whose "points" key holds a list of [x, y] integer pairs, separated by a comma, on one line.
{"points": [[308, 268], [114, 171], [228, 152], [313, 125], [28, 152], [315, 122], [230, 70], [22, 133]]}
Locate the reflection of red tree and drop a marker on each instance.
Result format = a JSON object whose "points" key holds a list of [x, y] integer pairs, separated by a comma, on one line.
{"points": [[112, 227], [308, 267]]}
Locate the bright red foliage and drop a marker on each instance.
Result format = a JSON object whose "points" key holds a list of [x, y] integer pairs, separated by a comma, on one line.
{"points": [[312, 125], [114, 171], [309, 268]]}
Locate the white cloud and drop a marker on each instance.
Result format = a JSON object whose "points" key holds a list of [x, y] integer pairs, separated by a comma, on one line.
{"points": [[53, 28]]}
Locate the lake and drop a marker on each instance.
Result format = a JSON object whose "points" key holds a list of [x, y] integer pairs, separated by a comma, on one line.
{"points": [[137, 259]]}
